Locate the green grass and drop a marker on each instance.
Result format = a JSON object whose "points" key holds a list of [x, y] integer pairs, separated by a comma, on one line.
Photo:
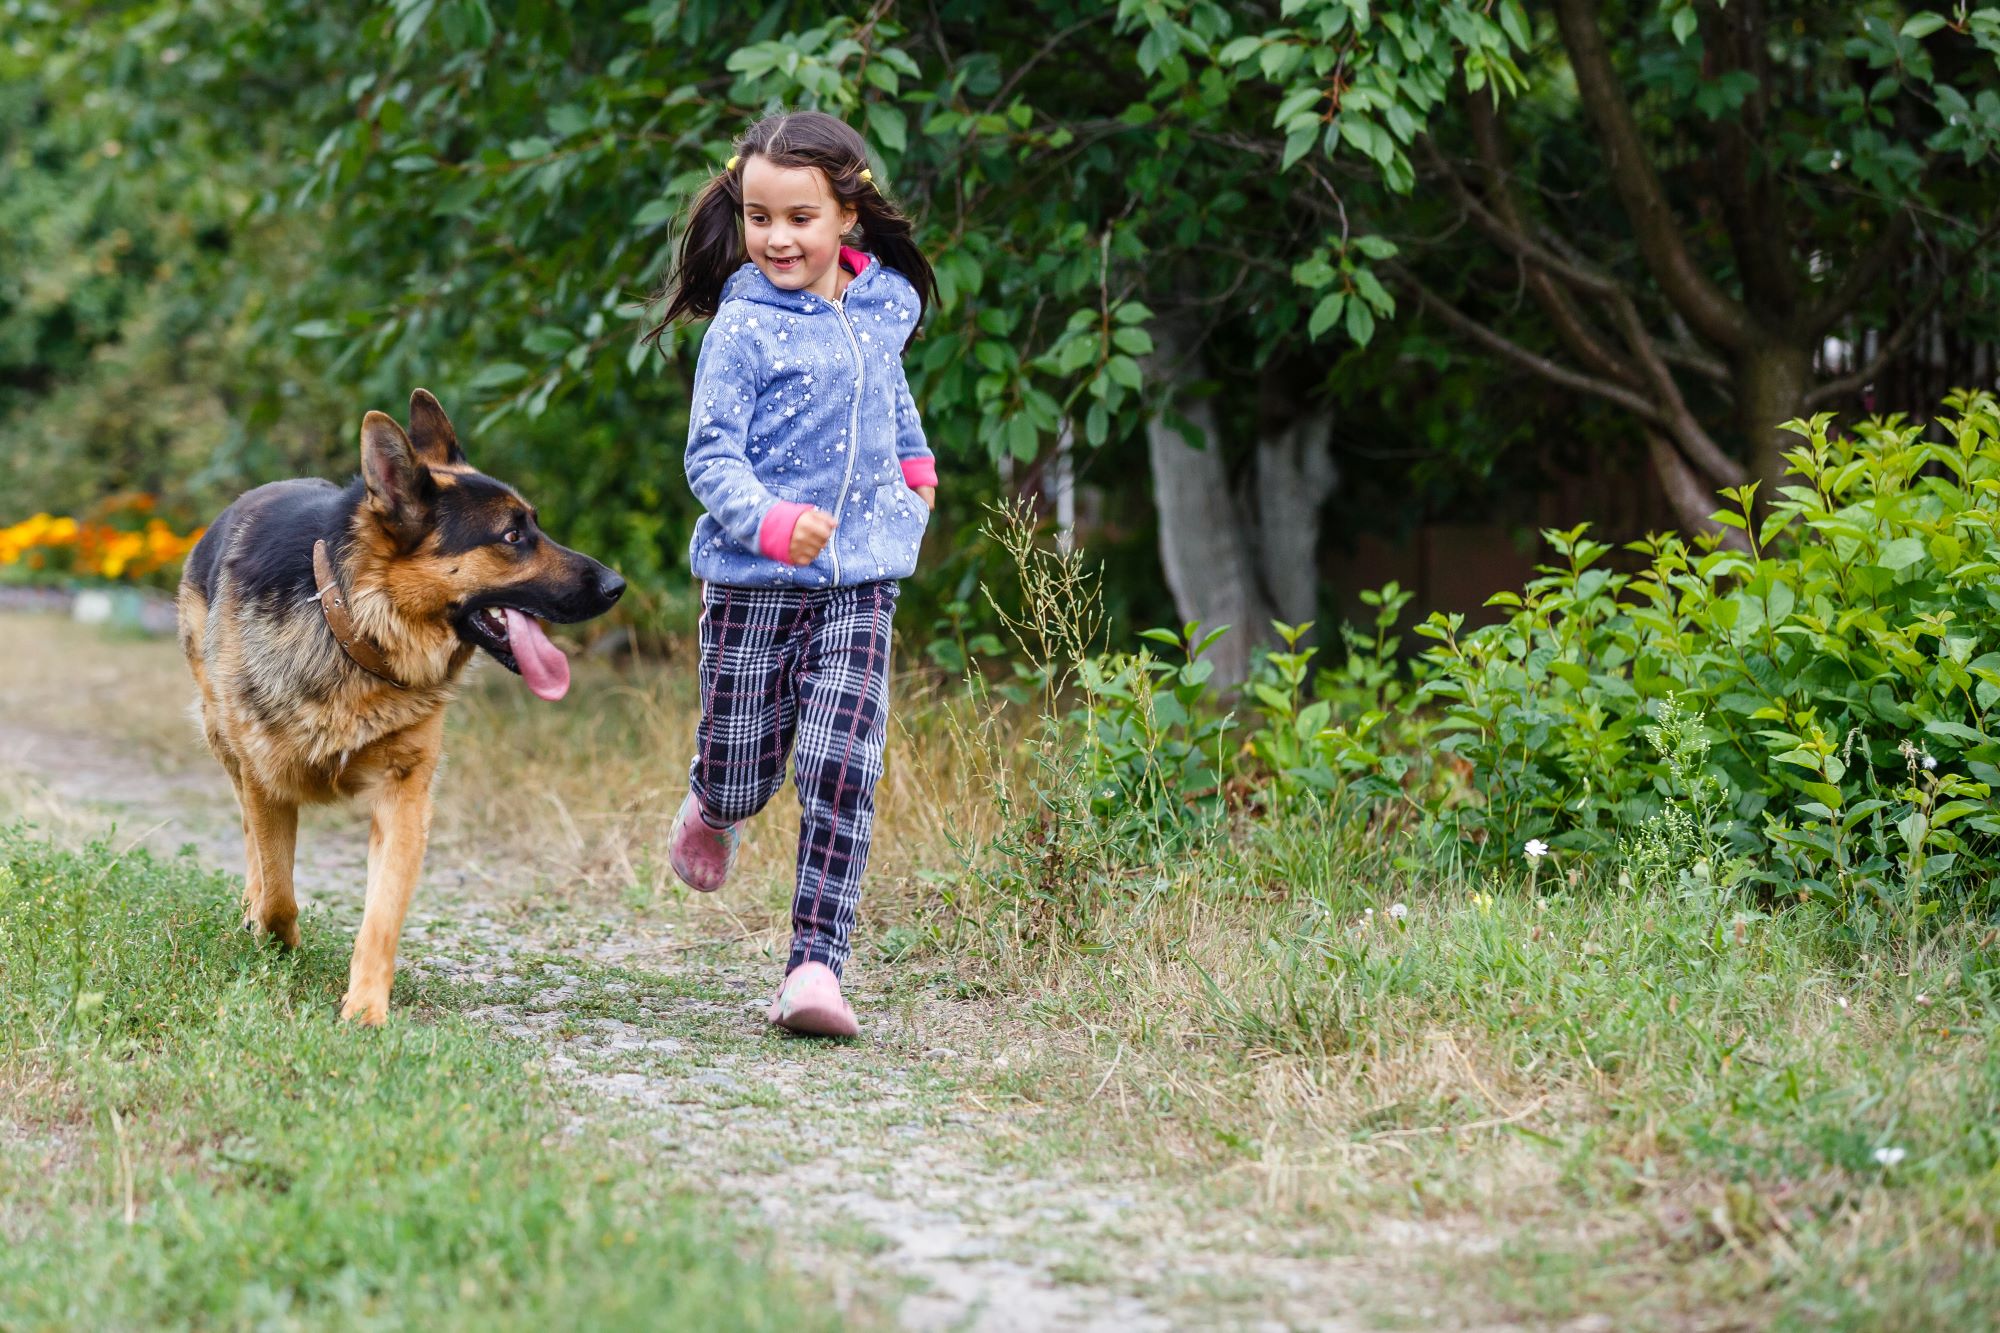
{"points": [[189, 1137], [1657, 1104]]}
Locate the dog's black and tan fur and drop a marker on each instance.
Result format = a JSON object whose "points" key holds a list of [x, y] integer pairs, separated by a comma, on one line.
{"points": [[423, 546]]}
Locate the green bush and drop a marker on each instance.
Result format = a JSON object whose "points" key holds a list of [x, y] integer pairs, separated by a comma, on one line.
{"points": [[1844, 654], [1799, 704]]}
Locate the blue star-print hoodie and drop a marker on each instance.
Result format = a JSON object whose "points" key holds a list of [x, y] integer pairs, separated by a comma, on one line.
{"points": [[801, 403]]}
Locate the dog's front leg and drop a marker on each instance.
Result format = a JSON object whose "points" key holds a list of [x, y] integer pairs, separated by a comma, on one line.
{"points": [[270, 839], [396, 839]]}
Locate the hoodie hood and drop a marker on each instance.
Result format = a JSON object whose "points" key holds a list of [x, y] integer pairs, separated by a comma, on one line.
{"points": [[748, 283]]}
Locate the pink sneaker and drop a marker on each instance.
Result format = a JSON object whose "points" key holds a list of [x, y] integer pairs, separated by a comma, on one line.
{"points": [[809, 1002], [700, 855]]}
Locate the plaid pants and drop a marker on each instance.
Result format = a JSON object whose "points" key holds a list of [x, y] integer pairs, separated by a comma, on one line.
{"points": [[780, 665]]}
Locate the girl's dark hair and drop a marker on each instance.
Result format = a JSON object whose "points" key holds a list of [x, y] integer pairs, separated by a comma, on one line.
{"points": [[712, 245]]}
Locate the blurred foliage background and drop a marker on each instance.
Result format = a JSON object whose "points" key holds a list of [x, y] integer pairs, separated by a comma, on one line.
{"points": [[1240, 290]]}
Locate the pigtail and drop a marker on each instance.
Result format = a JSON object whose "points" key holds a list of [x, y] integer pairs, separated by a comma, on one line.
{"points": [[711, 250], [887, 234]]}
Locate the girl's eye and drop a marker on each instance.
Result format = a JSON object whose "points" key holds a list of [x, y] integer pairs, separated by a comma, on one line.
{"points": [[512, 536]]}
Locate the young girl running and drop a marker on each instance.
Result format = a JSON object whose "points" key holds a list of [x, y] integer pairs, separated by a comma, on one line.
{"points": [[805, 449]]}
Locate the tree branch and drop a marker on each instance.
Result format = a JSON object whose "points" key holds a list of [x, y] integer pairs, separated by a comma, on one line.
{"points": [[1860, 279], [1648, 367], [1693, 503], [1688, 433], [1715, 314], [1894, 345], [1553, 371]]}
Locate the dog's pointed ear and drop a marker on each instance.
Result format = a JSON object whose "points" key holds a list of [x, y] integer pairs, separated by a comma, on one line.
{"points": [[431, 433], [400, 489]]}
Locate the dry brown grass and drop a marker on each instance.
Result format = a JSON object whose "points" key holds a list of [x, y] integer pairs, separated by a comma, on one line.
{"points": [[569, 800], [580, 795]]}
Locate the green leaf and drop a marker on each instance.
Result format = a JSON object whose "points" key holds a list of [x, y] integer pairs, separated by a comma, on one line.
{"points": [[1132, 339], [1901, 553], [1096, 425], [318, 328], [1239, 50], [1360, 322], [1313, 272], [652, 215], [549, 340], [889, 126], [1922, 25], [1125, 371], [498, 375], [1326, 314], [1297, 144], [1023, 441], [1372, 291]]}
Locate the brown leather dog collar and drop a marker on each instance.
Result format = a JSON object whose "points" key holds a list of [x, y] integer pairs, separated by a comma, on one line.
{"points": [[360, 649]]}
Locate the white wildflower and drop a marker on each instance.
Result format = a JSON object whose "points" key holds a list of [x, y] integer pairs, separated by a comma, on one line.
{"points": [[1840, 1000], [1398, 911], [1536, 849], [1930, 762], [1889, 1156]]}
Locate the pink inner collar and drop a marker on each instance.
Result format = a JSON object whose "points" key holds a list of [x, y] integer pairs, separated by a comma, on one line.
{"points": [[853, 260]]}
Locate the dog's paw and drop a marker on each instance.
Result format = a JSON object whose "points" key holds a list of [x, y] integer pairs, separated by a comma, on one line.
{"points": [[370, 1011], [286, 933]]}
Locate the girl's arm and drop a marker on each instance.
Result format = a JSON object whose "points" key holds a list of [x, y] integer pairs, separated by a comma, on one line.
{"points": [[919, 464], [727, 376]]}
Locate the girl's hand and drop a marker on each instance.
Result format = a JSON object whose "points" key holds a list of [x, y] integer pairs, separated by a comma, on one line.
{"points": [[810, 536], [930, 495]]}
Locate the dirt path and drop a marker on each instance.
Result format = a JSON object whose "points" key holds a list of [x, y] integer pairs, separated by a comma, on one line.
{"points": [[869, 1160]]}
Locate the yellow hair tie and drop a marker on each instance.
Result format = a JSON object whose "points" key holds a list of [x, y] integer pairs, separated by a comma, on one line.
{"points": [[730, 165], [867, 175]]}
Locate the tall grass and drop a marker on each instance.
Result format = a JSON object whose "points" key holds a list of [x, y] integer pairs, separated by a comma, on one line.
{"points": [[1669, 1097]]}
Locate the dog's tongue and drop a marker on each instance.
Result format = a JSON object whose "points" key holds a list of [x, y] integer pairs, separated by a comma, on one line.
{"points": [[542, 664]]}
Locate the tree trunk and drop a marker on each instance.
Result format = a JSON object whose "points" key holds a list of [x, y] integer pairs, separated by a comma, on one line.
{"points": [[1690, 494], [1202, 551], [1772, 380], [1295, 474], [1237, 555]]}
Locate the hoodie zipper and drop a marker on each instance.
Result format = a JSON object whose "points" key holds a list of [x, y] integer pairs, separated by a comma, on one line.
{"points": [[853, 436]]}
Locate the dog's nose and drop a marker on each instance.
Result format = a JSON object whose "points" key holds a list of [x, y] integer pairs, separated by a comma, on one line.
{"points": [[609, 586]]}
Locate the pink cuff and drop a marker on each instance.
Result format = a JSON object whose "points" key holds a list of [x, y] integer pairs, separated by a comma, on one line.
{"points": [[919, 472], [774, 538]]}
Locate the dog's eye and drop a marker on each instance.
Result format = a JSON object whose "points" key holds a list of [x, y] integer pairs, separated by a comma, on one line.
{"points": [[511, 536]]}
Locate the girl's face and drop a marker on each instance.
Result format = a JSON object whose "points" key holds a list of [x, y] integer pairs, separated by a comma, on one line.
{"points": [[792, 224]]}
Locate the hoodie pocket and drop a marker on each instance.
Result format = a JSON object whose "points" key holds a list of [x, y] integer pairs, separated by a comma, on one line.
{"points": [[896, 517]]}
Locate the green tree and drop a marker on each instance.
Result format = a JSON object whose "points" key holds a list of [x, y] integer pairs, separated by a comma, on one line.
{"points": [[1694, 197], [1163, 227]]}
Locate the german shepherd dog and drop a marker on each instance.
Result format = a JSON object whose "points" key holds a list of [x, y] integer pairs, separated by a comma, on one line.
{"points": [[327, 626]]}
